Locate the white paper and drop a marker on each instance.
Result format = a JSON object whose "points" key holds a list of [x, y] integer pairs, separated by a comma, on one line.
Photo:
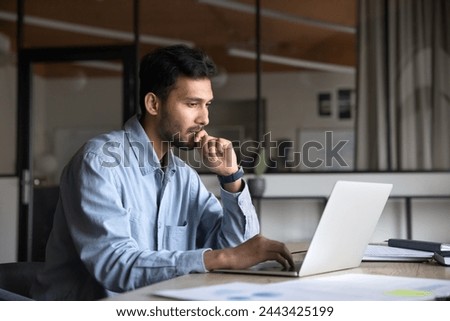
{"points": [[389, 253], [348, 287]]}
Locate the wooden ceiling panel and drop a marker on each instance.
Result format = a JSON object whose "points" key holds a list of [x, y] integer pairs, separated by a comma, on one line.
{"points": [[213, 28], [45, 37], [281, 32], [334, 11], [114, 14], [202, 24]]}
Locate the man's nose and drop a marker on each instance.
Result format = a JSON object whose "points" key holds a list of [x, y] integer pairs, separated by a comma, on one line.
{"points": [[203, 116]]}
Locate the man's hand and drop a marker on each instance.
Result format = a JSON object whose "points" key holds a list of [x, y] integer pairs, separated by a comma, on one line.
{"points": [[253, 251], [217, 154]]}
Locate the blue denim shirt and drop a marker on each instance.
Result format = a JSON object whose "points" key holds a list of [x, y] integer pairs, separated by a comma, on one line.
{"points": [[122, 222]]}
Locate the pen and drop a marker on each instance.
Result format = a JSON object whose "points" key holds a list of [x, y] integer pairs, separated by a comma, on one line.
{"points": [[297, 252], [419, 245]]}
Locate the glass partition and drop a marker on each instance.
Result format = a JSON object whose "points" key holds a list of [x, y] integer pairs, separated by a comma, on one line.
{"points": [[8, 93], [308, 54], [70, 109]]}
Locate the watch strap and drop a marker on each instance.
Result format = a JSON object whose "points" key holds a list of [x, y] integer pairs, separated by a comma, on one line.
{"points": [[231, 178]]}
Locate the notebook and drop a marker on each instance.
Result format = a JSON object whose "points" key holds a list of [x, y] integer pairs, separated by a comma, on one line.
{"points": [[385, 253], [342, 235]]}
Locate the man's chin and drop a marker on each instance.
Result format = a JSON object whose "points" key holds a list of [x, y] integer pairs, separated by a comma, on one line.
{"points": [[185, 145]]}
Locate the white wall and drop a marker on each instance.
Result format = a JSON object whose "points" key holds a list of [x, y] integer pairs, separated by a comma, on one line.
{"points": [[291, 99], [297, 219], [8, 219], [76, 112], [294, 219], [7, 119]]}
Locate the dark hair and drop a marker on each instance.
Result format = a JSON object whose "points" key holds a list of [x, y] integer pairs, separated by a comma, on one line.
{"points": [[160, 69]]}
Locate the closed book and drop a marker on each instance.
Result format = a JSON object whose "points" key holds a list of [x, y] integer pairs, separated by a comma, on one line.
{"points": [[419, 245], [443, 257]]}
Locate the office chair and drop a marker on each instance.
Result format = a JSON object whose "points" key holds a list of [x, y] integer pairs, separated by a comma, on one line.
{"points": [[16, 279], [44, 205]]}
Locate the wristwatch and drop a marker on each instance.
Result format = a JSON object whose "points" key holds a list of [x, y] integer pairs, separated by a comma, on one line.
{"points": [[231, 178]]}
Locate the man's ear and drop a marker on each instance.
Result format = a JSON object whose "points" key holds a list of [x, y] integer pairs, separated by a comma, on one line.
{"points": [[152, 104]]}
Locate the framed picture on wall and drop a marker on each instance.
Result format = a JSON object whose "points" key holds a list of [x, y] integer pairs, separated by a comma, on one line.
{"points": [[346, 103], [324, 104]]}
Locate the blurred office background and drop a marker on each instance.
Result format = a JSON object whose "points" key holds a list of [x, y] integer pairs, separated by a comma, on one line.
{"points": [[373, 73]]}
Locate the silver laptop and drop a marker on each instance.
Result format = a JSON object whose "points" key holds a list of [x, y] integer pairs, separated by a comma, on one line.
{"points": [[343, 233]]}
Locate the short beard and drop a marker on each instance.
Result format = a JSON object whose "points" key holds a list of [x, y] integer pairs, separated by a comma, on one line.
{"points": [[175, 140], [182, 144]]}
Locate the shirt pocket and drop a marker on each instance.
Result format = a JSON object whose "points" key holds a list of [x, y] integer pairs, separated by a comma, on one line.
{"points": [[176, 237]]}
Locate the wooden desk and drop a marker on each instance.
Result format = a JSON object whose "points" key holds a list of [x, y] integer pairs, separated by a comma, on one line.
{"points": [[422, 270]]}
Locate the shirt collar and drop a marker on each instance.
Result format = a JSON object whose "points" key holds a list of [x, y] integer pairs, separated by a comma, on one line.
{"points": [[138, 139], [139, 143]]}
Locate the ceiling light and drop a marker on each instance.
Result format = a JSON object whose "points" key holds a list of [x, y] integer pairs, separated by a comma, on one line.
{"points": [[98, 64]]}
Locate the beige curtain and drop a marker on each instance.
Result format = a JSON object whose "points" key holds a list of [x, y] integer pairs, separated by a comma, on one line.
{"points": [[403, 82]]}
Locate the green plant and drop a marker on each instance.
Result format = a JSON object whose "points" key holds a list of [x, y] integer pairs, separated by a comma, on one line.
{"points": [[261, 163]]}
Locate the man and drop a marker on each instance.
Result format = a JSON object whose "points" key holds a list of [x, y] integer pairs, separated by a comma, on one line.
{"points": [[131, 214]]}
